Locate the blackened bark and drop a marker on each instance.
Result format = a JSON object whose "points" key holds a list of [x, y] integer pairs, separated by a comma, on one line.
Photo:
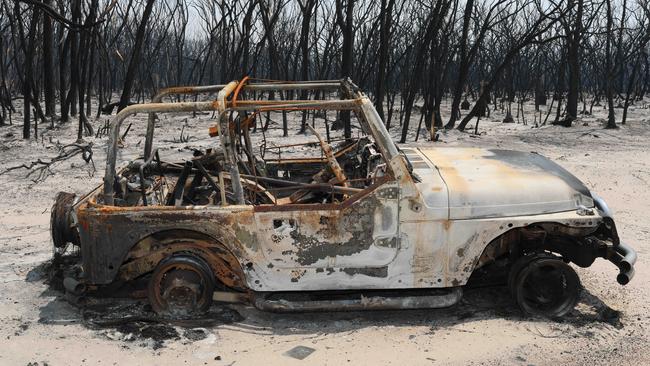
{"points": [[84, 56], [135, 56], [64, 48], [74, 60], [433, 26], [48, 63], [559, 90], [463, 68], [307, 10], [346, 24], [628, 92], [385, 23], [28, 49], [609, 77], [573, 61]]}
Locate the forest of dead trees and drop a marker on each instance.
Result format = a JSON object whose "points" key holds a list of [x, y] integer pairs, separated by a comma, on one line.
{"points": [[72, 60]]}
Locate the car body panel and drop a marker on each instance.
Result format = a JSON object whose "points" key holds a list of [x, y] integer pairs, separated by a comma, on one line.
{"points": [[499, 183], [427, 250]]}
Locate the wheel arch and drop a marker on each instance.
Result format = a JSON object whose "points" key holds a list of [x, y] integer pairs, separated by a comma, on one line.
{"points": [[555, 237], [148, 251]]}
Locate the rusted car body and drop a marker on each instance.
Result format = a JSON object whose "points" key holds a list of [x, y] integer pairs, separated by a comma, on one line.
{"points": [[363, 226]]}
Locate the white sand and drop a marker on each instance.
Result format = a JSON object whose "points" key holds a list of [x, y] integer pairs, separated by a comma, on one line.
{"points": [[485, 330]]}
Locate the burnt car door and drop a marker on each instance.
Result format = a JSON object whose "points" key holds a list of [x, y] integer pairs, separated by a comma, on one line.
{"points": [[357, 236]]}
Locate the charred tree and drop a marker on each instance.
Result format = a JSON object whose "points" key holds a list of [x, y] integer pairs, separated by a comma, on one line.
{"points": [[28, 45], [573, 40], [609, 72], [385, 23], [48, 63], [345, 22], [435, 19], [134, 62], [306, 10]]}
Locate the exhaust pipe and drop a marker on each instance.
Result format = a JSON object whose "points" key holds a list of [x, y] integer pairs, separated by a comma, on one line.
{"points": [[73, 286], [624, 277], [624, 257], [629, 256]]}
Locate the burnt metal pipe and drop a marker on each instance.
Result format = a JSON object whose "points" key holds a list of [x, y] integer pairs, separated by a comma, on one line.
{"points": [[295, 85], [285, 183], [626, 265], [625, 277], [629, 255], [176, 197], [624, 257], [73, 286], [148, 142], [226, 143], [184, 90]]}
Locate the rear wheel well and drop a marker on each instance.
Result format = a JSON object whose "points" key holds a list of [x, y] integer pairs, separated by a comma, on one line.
{"points": [[145, 255]]}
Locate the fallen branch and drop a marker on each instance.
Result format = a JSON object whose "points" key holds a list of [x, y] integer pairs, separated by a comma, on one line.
{"points": [[41, 168], [125, 132]]}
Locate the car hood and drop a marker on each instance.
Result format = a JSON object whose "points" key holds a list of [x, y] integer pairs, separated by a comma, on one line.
{"points": [[484, 183]]}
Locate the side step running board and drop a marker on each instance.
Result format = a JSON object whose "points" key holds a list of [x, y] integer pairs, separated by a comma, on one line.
{"points": [[384, 300]]}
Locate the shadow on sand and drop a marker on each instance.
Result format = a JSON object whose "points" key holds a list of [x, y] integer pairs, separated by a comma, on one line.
{"points": [[129, 320]]}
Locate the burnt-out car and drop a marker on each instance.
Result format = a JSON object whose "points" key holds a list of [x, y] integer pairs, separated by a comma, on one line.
{"points": [[361, 224]]}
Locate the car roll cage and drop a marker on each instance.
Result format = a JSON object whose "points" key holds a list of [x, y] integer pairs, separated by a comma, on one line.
{"points": [[229, 99]]}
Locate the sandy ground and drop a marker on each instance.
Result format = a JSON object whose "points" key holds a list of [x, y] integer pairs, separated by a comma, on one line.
{"points": [[610, 325]]}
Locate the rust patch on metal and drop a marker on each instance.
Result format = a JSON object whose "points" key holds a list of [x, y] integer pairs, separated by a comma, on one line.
{"points": [[380, 272], [356, 224]]}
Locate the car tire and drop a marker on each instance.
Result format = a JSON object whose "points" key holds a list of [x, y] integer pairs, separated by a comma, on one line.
{"points": [[544, 285], [181, 285], [520, 264]]}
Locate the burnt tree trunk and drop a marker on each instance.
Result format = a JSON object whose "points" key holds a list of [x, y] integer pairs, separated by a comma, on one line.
{"points": [[433, 26], [135, 56], [463, 68], [346, 23], [28, 82], [628, 93], [84, 62], [74, 59], [385, 23], [559, 92], [307, 10], [48, 64], [64, 48], [573, 62], [609, 77]]}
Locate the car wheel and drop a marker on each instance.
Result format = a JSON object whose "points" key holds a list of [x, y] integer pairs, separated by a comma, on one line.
{"points": [[181, 285], [520, 264], [544, 286]]}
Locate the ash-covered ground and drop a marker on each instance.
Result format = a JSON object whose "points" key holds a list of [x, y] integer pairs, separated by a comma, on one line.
{"points": [[610, 325]]}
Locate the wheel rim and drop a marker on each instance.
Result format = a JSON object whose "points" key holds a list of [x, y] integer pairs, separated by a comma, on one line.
{"points": [[182, 285], [547, 287]]}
